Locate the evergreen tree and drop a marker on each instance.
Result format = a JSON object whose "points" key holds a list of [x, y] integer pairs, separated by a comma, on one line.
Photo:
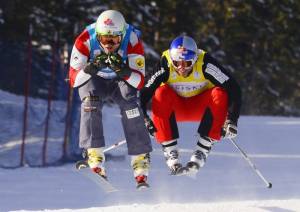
{"points": [[257, 40]]}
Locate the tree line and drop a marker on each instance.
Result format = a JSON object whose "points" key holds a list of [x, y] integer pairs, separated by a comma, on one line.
{"points": [[257, 40]]}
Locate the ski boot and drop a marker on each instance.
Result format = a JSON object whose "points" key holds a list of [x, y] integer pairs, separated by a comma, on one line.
{"points": [[95, 160], [141, 164], [172, 158], [199, 156]]}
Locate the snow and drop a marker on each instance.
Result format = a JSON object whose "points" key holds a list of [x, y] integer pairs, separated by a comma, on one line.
{"points": [[226, 183]]}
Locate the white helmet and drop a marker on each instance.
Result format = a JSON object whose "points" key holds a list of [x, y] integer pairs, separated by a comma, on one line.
{"points": [[110, 22]]}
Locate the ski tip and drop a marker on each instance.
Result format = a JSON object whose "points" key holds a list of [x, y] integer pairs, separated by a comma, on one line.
{"points": [[81, 165], [270, 185]]}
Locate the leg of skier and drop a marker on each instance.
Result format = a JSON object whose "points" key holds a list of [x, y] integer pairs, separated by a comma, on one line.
{"points": [[164, 120], [136, 134], [199, 156], [164, 105], [209, 107], [171, 154], [210, 126], [91, 129]]}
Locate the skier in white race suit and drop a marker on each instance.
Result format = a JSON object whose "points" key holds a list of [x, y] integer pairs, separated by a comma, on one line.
{"points": [[107, 63]]}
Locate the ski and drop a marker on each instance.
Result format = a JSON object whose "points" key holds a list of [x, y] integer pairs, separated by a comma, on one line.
{"points": [[101, 181]]}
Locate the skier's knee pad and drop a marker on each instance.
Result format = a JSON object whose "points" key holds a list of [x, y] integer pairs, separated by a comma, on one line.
{"points": [[91, 103]]}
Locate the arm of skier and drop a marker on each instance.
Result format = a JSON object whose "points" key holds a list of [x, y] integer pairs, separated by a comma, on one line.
{"points": [[79, 57], [160, 75], [219, 76]]}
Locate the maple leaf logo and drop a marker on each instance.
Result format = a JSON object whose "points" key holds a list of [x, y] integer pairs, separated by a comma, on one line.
{"points": [[109, 22]]}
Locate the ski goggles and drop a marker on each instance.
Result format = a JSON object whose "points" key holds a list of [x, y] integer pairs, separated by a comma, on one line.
{"points": [[183, 63], [110, 39]]}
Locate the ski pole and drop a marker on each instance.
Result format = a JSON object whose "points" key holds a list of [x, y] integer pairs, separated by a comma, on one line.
{"points": [[115, 145], [84, 152], [268, 184]]}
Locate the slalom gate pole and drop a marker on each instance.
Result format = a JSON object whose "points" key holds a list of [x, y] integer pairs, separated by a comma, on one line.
{"points": [[26, 93], [268, 184], [50, 95], [67, 122], [115, 145], [69, 103]]}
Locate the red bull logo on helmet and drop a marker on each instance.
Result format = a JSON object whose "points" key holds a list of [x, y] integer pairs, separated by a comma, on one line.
{"points": [[181, 49], [181, 52]]}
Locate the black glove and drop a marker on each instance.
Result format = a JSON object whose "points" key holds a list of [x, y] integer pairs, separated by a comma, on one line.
{"points": [[116, 63], [98, 63], [150, 125], [91, 69], [229, 129], [101, 61]]}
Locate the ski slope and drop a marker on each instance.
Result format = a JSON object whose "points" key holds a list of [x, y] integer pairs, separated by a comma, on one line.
{"points": [[226, 183]]}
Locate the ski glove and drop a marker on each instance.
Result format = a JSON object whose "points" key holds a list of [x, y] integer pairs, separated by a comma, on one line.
{"points": [[91, 69], [229, 129], [101, 61], [116, 63], [150, 125], [98, 63]]}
